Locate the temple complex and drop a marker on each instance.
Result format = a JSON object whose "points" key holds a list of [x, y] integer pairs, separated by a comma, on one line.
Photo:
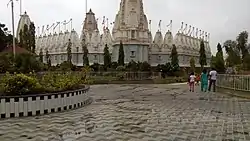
{"points": [[132, 28]]}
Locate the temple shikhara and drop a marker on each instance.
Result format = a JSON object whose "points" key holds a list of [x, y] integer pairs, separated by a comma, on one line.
{"points": [[131, 27]]}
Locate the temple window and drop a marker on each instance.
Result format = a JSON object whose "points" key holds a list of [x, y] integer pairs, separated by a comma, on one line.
{"points": [[159, 58], [62, 57], [77, 49], [133, 34], [132, 54], [56, 57], [95, 57]]}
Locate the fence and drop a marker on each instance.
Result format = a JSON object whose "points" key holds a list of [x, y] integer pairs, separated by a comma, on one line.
{"points": [[127, 75], [234, 82]]}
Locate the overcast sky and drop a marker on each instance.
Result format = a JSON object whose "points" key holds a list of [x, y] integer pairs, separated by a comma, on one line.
{"points": [[223, 19]]}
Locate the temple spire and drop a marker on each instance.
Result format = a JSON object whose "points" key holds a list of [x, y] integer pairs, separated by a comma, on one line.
{"points": [[131, 14]]}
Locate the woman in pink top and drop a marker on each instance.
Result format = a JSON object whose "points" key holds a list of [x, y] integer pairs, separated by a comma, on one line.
{"points": [[191, 82]]}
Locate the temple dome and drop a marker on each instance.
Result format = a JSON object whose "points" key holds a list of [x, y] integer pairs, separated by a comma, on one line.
{"points": [[178, 41], [24, 19], [54, 42], [94, 44], [76, 44], [168, 41], [106, 38], [158, 39]]}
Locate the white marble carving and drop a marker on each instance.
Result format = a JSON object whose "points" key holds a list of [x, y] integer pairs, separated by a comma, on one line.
{"points": [[131, 26]]}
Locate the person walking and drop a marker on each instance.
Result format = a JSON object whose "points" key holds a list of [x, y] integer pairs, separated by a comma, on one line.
{"points": [[198, 79], [191, 82], [212, 79], [204, 80]]}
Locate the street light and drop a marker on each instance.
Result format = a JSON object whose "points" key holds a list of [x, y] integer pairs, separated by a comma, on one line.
{"points": [[13, 26]]}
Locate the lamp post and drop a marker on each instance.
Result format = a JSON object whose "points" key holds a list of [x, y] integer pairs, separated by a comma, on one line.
{"points": [[13, 27], [86, 6]]}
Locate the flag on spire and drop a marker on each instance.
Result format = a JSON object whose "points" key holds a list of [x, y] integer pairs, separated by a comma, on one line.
{"points": [[159, 23]]}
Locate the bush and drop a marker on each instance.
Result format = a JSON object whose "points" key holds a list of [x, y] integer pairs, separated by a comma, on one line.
{"points": [[120, 68], [19, 84], [22, 63]]}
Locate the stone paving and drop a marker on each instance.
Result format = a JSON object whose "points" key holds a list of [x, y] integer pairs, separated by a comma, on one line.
{"points": [[140, 113]]}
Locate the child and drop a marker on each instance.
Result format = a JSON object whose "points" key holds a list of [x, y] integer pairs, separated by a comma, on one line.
{"points": [[198, 79], [204, 80], [191, 82]]}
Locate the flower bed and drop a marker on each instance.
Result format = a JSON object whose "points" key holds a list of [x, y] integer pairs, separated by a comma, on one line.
{"points": [[32, 94]]}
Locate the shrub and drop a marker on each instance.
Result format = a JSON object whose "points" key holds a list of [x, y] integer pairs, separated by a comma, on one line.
{"points": [[120, 68], [61, 82], [19, 84]]}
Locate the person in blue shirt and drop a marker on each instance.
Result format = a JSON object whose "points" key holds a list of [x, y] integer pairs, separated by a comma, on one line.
{"points": [[204, 80]]}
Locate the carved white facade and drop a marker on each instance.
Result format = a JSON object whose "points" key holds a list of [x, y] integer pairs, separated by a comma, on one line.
{"points": [[94, 40], [57, 44], [131, 26]]}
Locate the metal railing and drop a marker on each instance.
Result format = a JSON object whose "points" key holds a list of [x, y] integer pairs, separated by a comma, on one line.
{"points": [[127, 75], [234, 82]]}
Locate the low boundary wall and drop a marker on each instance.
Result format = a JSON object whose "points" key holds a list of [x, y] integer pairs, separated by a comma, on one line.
{"points": [[33, 105]]}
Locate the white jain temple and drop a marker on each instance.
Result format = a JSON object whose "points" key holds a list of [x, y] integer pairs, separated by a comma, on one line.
{"points": [[132, 27]]}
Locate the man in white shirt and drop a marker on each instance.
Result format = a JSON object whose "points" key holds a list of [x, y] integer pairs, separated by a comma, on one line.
{"points": [[212, 79]]}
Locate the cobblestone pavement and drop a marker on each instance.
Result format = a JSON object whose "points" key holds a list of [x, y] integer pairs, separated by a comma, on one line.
{"points": [[140, 113]]}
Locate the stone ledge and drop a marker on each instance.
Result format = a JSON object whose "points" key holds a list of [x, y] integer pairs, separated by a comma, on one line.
{"points": [[33, 105]]}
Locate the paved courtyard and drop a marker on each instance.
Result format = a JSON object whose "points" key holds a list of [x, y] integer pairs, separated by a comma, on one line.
{"points": [[140, 113]]}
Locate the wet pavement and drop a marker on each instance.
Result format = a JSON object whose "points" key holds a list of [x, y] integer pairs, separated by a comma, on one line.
{"points": [[140, 113]]}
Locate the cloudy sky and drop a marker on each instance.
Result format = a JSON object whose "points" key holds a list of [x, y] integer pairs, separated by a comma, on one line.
{"points": [[223, 19]]}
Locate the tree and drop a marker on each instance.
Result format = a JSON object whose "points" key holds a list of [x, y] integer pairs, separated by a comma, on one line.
{"points": [[121, 55], [242, 46], [6, 62], [213, 62], [107, 57], [132, 66], [192, 64], [41, 55], [246, 62], [85, 55], [174, 58], [21, 38], [233, 53], [5, 37], [32, 37], [242, 43], [48, 58], [219, 59], [26, 62], [203, 59], [26, 37], [145, 66], [69, 54]]}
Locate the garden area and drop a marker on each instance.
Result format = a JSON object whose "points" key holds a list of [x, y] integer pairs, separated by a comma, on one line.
{"points": [[27, 84], [24, 74]]}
